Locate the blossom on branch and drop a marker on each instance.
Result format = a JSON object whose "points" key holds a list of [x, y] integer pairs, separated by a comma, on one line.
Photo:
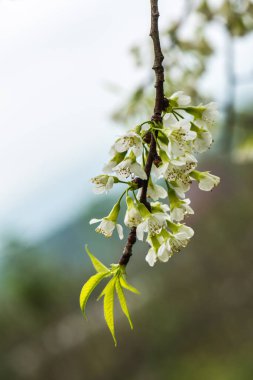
{"points": [[130, 141], [108, 223], [129, 167], [103, 183], [162, 149]]}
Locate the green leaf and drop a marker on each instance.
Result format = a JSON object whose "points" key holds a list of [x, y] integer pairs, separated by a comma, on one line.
{"points": [[109, 306], [88, 287], [127, 286], [99, 267], [122, 301]]}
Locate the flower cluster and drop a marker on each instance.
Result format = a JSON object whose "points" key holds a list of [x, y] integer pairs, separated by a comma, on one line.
{"points": [[183, 134]]}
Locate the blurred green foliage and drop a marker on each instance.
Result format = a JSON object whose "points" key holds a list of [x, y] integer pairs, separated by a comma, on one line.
{"points": [[188, 50]]}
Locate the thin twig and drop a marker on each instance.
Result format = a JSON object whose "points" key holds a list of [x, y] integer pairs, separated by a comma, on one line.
{"points": [[157, 117]]}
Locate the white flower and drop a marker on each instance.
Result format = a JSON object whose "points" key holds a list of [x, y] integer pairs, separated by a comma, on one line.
{"points": [[182, 232], [169, 118], [206, 180], [175, 167], [203, 140], [204, 114], [160, 248], [158, 171], [185, 162], [152, 224], [179, 209], [180, 135], [158, 251], [158, 207], [164, 251], [151, 257], [108, 223], [180, 191], [132, 216], [178, 173], [103, 183], [129, 167], [117, 158], [154, 191], [129, 141], [106, 227], [180, 98], [180, 237], [166, 243], [177, 244], [210, 113]]}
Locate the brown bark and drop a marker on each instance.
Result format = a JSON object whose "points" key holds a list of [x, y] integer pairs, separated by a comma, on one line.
{"points": [[157, 117]]}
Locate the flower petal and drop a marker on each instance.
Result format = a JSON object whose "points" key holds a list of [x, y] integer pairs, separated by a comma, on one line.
{"points": [[163, 253], [120, 231], [138, 170], [92, 221], [140, 230], [151, 257]]}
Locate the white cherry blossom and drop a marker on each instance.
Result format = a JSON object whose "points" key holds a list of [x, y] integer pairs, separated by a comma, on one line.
{"points": [[160, 249], [206, 180], [203, 140], [129, 167], [180, 136], [210, 113], [132, 216], [106, 227], [180, 237], [183, 132], [151, 257], [129, 141], [103, 183], [178, 173], [180, 98], [204, 114], [164, 245], [164, 251], [154, 191], [182, 232], [158, 207], [109, 223], [179, 209], [151, 224], [116, 159]]}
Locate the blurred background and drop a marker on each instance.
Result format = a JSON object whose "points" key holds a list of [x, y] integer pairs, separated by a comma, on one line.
{"points": [[74, 75]]}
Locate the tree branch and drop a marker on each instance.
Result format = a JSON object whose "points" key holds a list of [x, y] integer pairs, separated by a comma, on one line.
{"points": [[157, 67], [160, 103]]}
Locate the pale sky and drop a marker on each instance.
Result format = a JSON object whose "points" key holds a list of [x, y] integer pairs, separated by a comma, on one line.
{"points": [[56, 57]]}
